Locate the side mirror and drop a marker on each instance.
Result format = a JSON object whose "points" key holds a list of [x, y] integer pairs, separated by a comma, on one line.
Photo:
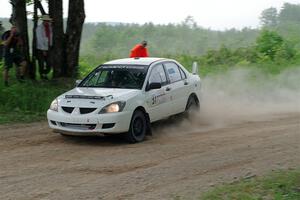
{"points": [[153, 86], [77, 82], [195, 68]]}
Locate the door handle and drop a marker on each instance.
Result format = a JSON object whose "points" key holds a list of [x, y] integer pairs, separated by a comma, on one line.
{"points": [[186, 83], [168, 89]]}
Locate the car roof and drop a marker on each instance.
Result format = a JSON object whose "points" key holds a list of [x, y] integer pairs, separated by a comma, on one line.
{"points": [[134, 61]]}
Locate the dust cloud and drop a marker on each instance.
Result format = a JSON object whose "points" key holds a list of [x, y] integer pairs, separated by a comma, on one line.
{"points": [[241, 95]]}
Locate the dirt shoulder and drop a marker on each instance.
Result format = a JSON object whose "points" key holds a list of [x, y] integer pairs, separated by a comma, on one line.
{"points": [[38, 164]]}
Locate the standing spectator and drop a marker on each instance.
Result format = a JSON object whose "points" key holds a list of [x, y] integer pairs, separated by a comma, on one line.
{"points": [[13, 45], [44, 43], [139, 50], [1, 45]]}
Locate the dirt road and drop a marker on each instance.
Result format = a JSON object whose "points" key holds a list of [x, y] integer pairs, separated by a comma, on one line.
{"points": [[176, 161]]}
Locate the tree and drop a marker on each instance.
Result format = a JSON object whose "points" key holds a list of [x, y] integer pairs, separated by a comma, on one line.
{"points": [[190, 22], [65, 50], [19, 19], [75, 22], [57, 52], [290, 13], [269, 18], [34, 53]]}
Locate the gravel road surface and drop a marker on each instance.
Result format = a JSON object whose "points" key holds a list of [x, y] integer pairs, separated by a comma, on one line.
{"points": [[177, 160]]}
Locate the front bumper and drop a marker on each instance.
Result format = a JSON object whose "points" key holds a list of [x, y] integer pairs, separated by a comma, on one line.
{"points": [[89, 124]]}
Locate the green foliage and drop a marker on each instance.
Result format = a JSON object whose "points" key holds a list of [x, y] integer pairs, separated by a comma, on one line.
{"points": [[268, 43], [223, 56], [272, 46], [285, 52], [29, 2], [282, 185], [89, 62]]}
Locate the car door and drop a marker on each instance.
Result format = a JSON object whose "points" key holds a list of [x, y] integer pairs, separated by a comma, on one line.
{"points": [[158, 100], [178, 87]]}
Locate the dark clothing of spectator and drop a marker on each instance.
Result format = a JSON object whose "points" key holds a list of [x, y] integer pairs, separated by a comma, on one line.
{"points": [[13, 45], [44, 63], [12, 52], [1, 45]]}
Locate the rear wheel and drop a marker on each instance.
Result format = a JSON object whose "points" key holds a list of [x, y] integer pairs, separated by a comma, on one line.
{"points": [[138, 127], [192, 107]]}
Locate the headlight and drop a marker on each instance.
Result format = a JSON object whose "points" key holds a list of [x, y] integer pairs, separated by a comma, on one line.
{"points": [[113, 107], [54, 105]]}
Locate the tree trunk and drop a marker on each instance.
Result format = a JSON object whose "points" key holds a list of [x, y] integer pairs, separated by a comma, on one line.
{"points": [[75, 22], [34, 53], [57, 51], [19, 19]]}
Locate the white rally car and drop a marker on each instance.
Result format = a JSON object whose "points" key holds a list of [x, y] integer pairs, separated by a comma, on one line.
{"points": [[125, 96]]}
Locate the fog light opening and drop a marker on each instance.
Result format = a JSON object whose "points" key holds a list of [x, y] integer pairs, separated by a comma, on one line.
{"points": [[108, 125]]}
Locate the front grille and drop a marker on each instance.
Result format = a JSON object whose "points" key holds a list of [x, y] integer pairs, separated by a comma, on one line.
{"points": [[78, 126], [86, 110], [67, 109]]}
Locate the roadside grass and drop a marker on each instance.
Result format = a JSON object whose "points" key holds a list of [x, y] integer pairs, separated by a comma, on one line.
{"points": [[21, 117], [280, 185], [28, 101]]}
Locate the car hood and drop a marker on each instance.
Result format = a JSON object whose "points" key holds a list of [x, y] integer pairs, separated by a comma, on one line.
{"points": [[95, 97]]}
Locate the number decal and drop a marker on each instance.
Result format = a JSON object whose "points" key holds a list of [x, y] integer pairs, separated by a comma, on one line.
{"points": [[158, 98], [154, 100]]}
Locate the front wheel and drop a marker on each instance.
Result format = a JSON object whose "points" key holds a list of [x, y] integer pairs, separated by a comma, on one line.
{"points": [[138, 127]]}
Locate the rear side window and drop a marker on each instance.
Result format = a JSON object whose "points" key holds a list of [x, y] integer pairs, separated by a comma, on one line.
{"points": [[173, 72], [158, 75]]}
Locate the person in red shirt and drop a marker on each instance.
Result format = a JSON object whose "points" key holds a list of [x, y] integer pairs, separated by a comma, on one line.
{"points": [[139, 50]]}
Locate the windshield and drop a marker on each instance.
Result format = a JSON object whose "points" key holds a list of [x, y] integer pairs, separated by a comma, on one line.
{"points": [[116, 76]]}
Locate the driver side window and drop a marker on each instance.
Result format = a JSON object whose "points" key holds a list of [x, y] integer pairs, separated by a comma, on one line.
{"points": [[98, 79], [158, 75]]}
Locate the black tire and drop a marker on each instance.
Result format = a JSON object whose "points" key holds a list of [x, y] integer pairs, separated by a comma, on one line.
{"points": [[138, 127], [192, 107]]}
